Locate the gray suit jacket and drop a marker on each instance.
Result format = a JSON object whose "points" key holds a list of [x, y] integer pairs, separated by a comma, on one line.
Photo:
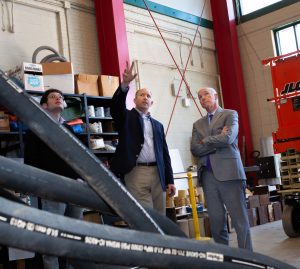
{"points": [[222, 149]]}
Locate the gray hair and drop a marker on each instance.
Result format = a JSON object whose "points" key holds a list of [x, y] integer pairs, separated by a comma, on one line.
{"points": [[209, 89]]}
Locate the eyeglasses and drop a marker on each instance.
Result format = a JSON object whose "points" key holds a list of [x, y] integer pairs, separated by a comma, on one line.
{"points": [[56, 96]]}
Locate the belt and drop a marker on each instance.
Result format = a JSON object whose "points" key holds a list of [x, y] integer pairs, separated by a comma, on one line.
{"points": [[146, 164]]}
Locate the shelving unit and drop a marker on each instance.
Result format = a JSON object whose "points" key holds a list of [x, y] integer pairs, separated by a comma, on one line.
{"points": [[13, 141], [108, 134], [106, 122]]}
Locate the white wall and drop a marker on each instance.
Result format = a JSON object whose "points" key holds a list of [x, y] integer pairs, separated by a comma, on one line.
{"points": [[157, 71], [50, 23], [256, 44]]}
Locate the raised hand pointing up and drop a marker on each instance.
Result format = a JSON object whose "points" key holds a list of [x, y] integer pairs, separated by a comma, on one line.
{"points": [[128, 75]]}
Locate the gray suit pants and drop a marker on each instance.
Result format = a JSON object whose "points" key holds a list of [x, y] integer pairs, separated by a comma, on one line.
{"points": [[230, 195]]}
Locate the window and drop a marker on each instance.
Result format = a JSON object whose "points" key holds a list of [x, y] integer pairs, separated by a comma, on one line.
{"points": [[248, 6], [287, 38]]}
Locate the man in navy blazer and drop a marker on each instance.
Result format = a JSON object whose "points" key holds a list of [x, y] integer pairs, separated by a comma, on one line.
{"points": [[142, 154], [220, 169]]}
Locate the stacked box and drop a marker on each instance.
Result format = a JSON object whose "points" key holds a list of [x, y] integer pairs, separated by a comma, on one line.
{"points": [[32, 77], [92, 216], [263, 215], [264, 199], [87, 84], [277, 210], [290, 164], [253, 201], [108, 85], [59, 76], [103, 85]]}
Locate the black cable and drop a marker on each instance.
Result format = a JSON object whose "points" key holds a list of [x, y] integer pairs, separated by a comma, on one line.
{"points": [[37, 230], [80, 158], [28, 179]]}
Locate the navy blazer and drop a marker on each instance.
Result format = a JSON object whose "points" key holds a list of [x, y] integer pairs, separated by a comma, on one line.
{"points": [[129, 124], [38, 154]]}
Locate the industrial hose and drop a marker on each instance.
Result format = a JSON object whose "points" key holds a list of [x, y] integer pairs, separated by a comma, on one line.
{"points": [[50, 58], [37, 230], [14, 175]]}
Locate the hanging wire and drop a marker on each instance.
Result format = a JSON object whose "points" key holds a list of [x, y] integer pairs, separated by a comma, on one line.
{"points": [[180, 50], [201, 49], [12, 16], [2, 14], [166, 31], [182, 74]]}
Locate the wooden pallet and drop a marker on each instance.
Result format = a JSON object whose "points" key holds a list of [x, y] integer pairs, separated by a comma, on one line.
{"points": [[290, 169]]}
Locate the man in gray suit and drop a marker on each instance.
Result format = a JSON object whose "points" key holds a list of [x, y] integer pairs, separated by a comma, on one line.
{"points": [[220, 169]]}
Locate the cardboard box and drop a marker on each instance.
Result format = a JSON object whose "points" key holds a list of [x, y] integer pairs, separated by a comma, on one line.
{"points": [[4, 122], [32, 77], [108, 85], [263, 214], [277, 210], [92, 216], [59, 76], [87, 84], [253, 201], [264, 199]]}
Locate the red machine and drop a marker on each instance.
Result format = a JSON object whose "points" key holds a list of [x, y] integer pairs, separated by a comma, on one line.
{"points": [[286, 86]]}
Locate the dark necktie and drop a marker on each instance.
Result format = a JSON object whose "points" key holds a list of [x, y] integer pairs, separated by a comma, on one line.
{"points": [[210, 116], [208, 164]]}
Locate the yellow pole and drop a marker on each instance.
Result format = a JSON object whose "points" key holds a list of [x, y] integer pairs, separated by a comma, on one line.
{"points": [[193, 204]]}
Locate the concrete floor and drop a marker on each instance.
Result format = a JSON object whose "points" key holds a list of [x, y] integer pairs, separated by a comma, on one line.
{"points": [[269, 239]]}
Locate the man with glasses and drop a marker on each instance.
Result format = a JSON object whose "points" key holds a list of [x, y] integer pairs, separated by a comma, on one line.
{"points": [[39, 155]]}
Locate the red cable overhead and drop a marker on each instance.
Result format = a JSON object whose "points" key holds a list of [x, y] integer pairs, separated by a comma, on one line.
{"points": [[181, 74]]}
